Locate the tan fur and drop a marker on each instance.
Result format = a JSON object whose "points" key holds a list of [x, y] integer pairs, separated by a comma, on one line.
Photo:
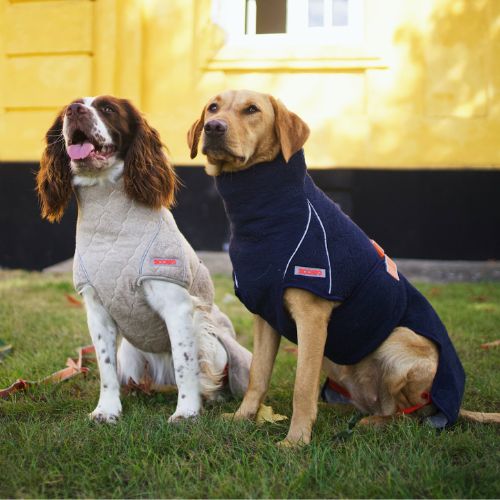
{"points": [[392, 377], [251, 137], [311, 315], [388, 380], [266, 342]]}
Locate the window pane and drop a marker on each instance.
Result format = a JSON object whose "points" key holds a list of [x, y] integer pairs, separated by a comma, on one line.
{"points": [[340, 16], [271, 16], [316, 10]]}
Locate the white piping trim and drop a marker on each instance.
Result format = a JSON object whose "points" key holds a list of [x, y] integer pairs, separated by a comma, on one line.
{"points": [[301, 240], [326, 246]]}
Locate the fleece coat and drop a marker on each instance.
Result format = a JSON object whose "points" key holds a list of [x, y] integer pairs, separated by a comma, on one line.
{"points": [[119, 244], [285, 232]]}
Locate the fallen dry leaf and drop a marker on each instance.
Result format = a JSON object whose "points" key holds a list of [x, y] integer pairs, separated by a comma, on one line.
{"points": [[73, 301], [435, 291], [265, 414], [147, 386], [479, 298], [489, 345]]}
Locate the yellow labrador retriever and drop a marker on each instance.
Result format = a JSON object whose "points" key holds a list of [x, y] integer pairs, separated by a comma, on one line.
{"points": [[309, 273]]}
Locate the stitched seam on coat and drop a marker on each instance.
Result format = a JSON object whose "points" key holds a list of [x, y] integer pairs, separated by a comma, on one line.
{"points": [[326, 246], [162, 278], [82, 266], [301, 240], [195, 275], [183, 257], [124, 223], [89, 244], [150, 245]]}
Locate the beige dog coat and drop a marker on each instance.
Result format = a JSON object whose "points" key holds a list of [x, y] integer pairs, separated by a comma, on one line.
{"points": [[119, 244]]}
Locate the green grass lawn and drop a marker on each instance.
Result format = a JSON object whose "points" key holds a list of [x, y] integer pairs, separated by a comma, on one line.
{"points": [[49, 448]]}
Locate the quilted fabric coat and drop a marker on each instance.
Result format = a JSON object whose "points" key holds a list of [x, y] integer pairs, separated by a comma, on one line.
{"points": [[119, 244], [285, 232]]}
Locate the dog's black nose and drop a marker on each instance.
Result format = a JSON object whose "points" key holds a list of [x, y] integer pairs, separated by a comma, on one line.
{"points": [[76, 109], [215, 128]]}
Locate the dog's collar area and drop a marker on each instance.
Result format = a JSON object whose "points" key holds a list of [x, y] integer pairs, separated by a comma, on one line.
{"points": [[252, 196], [240, 188]]}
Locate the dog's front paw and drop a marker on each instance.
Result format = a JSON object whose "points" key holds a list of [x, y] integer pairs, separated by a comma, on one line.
{"points": [[108, 411], [104, 417], [246, 411], [238, 415], [182, 415], [295, 440]]}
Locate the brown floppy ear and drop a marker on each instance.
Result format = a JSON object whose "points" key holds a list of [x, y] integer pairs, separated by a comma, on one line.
{"points": [[194, 133], [291, 130], [148, 174], [53, 180]]}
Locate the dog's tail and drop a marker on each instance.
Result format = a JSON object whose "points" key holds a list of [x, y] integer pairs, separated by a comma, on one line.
{"points": [[480, 417]]}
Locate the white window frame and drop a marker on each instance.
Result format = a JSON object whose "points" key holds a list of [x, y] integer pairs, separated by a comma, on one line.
{"points": [[240, 26], [302, 48]]}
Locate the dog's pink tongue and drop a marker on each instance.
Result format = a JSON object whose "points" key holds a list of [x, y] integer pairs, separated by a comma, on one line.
{"points": [[80, 151]]}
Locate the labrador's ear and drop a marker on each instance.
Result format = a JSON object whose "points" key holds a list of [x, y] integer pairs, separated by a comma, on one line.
{"points": [[291, 130], [53, 180], [194, 134]]}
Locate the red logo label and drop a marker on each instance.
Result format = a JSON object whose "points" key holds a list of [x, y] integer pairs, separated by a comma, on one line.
{"points": [[165, 262], [313, 272]]}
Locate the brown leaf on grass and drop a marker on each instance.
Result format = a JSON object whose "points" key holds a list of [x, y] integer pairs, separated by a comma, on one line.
{"points": [[489, 345], [147, 386], [266, 414], [73, 301], [37, 399], [479, 298], [291, 349], [435, 291]]}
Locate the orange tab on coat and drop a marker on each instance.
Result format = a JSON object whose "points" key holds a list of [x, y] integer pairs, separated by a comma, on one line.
{"points": [[391, 267], [378, 248]]}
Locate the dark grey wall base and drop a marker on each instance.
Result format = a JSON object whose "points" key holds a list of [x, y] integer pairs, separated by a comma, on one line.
{"points": [[25, 240], [445, 214]]}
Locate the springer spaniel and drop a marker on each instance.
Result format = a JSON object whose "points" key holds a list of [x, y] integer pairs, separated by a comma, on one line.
{"points": [[137, 274]]}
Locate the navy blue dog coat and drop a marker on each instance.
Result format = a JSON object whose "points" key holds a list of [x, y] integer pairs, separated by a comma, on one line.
{"points": [[285, 232]]}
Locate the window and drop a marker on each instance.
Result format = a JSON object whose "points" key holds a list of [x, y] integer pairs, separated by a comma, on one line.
{"points": [[327, 13], [265, 17], [338, 20], [304, 35]]}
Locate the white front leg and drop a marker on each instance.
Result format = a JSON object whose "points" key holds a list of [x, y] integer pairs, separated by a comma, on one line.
{"points": [[103, 332], [174, 304]]}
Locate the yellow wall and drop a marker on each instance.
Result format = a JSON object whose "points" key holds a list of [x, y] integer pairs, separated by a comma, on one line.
{"points": [[423, 90]]}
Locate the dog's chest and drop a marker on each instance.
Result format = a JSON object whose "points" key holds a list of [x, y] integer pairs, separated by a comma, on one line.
{"points": [[119, 243]]}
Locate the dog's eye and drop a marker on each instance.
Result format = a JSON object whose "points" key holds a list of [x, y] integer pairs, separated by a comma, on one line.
{"points": [[107, 109], [213, 107], [251, 109]]}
